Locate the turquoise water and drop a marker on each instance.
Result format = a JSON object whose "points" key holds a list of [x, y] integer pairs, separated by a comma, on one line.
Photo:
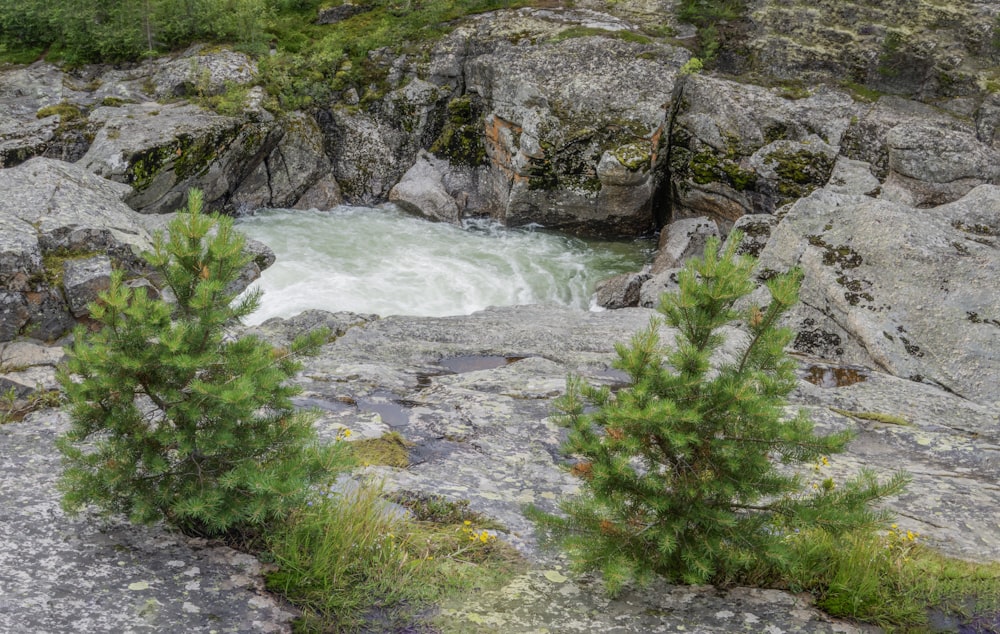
{"points": [[386, 262]]}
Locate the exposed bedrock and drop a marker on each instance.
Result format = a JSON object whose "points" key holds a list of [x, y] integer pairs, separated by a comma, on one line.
{"points": [[62, 230]]}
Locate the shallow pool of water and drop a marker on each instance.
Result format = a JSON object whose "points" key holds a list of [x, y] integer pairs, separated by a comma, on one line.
{"points": [[386, 262]]}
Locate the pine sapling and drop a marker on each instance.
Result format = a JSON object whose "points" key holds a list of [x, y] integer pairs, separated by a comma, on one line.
{"points": [[680, 467], [174, 419]]}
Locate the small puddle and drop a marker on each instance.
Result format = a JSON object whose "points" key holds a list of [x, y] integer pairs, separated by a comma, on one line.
{"points": [[827, 376], [474, 362], [311, 402], [393, 413]]}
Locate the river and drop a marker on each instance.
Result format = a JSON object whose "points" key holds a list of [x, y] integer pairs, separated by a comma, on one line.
{"points": [[383, 261]]}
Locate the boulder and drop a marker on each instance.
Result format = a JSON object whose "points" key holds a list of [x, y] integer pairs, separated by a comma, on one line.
{"points": [[83, 280], [931, 165], [162, 150], [198, 72], [890, 287], [666, 281], [332, 15], [620, 291], [683, 239], [421, 191], [324, 194], [62, 231], [573, 131], [41, 114]]}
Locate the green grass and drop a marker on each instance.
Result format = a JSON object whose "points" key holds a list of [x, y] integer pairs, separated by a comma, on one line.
{"points": [[347, 563], [313, 62], [389, 449], [891, 580], [586, 31]]}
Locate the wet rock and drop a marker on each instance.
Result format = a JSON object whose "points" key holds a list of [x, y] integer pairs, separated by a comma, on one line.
{"points": [[485, 431], [681, 240], [488, 435], [620, 291], [421, 191], [323, 195]]}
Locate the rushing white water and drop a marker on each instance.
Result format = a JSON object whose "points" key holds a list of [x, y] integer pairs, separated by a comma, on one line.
{"points": [[386, 262]]}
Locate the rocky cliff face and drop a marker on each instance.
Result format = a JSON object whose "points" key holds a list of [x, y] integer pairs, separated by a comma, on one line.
{"points": [[939, 51]]}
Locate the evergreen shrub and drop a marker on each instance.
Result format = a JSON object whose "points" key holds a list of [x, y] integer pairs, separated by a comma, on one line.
{"points": [[680, 473], [172, 417]]}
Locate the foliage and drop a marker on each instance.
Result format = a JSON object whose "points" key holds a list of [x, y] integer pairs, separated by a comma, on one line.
{"points": [[680, 475], [13, 409], [171, 417], [346, 556], [81, 31], [691, 67], [890, 579], [708, 16], [313, 62]]}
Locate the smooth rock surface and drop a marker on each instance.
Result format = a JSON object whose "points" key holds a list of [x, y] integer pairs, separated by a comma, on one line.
{"points": [[84, 574], [899, 289]]}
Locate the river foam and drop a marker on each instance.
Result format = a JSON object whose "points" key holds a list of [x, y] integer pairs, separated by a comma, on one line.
{"points": [[383, 261]]}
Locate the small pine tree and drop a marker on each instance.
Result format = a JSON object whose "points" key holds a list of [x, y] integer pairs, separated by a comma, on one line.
{"points": [[171, 418], [679, 473]]}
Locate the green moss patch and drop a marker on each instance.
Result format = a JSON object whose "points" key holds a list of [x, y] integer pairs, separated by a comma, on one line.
{"points": [[187, 155], [67, 112], [390, 450], [461, 140], [54, 264]]}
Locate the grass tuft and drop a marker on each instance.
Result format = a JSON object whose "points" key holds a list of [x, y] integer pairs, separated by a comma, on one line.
{"points": [[347, 560]]}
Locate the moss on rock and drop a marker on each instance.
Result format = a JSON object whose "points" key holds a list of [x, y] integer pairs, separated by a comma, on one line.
{"points": [[461, 140]]}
